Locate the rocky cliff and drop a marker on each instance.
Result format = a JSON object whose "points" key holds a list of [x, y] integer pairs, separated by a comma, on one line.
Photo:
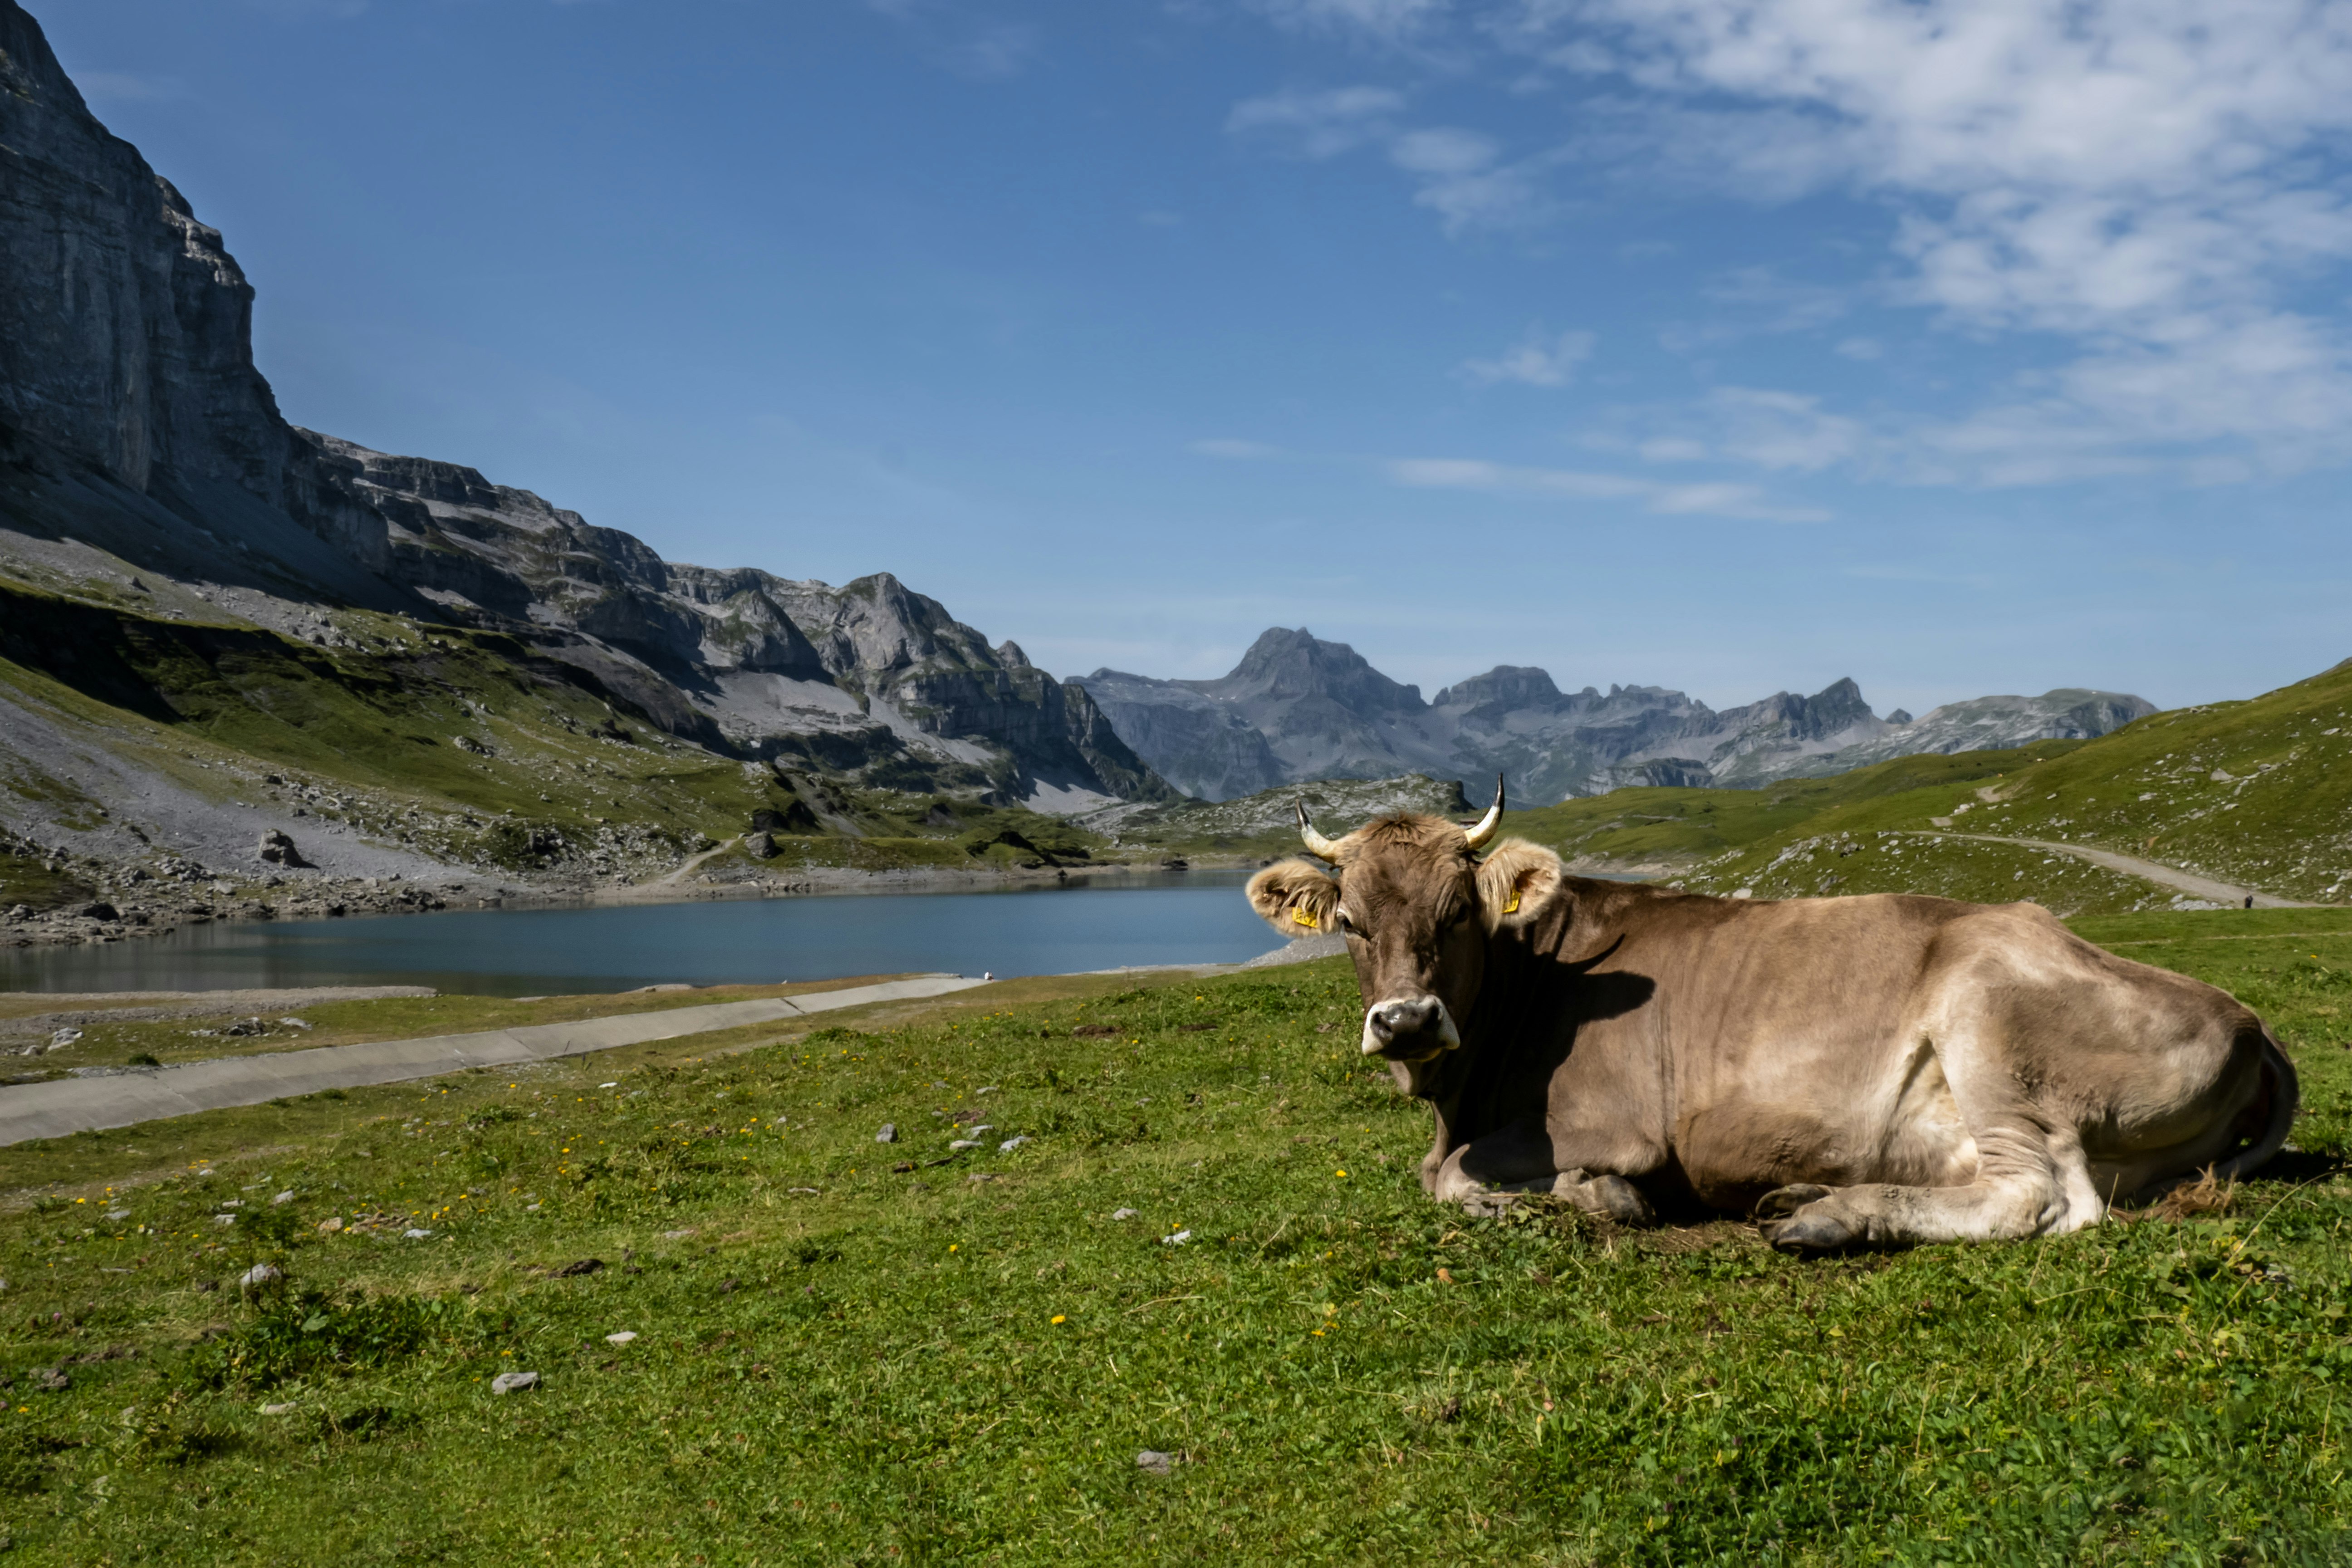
{"points": [[140, 446], [1297, 708]]}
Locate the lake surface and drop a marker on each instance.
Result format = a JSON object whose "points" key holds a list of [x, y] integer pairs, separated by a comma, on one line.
{"points": [[1103, 922]]}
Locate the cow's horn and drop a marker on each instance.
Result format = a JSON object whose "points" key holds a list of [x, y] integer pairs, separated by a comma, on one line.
{"points": [[1317, 844], [1492, 820]]}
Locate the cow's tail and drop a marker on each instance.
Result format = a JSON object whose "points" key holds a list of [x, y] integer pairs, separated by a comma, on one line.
{"points": [[2281, 1095]]}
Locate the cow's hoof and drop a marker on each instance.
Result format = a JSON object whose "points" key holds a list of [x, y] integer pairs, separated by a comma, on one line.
{"points": [[1794, 1219], [1811, 1234], [1613, 1198], [1782, 1201]]}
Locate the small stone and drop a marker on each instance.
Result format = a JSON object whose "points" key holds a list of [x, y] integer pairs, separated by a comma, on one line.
{"points": [[985, 1089], [413, 1234], [586, 1266], [1124, 1214], [507, 1382], [1010, 1144], [677, 1235], [983, 1176], [330, 1225], [223, 1219], [531, 1208], [63, 1039], [285, 1197], [960, 1144], [118, 1214], [50, 1378], [287, 1409], [889, 1133], [623, 1338], [1179, 1239], [296, 1023], [261, 1274], [1152, 1461]]}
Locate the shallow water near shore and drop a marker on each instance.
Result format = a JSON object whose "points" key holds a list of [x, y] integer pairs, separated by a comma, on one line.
{"points": [[1102, 921]]}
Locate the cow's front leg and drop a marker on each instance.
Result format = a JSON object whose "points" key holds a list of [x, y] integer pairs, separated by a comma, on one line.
{"points": [[1491, 1174]]}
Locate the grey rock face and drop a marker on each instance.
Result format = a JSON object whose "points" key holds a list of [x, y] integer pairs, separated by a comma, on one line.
{"points": [[133, 421]]}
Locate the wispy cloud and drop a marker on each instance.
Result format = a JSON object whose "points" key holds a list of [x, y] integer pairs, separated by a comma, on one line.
{"points": [[1712, 499], [2133, 178], [123, 87], [1379, 21], [1317, 123], [1539, 359], [333, 10], [1458, 173], [983, 48], [2121, 173]]}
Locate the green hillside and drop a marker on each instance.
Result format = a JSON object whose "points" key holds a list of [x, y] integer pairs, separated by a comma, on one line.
{"points": [[462, 745], [2255, 793]]}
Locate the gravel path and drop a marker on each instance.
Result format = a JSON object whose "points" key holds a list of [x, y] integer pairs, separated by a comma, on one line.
{"points": [[61, 1107], [2155, 871]]}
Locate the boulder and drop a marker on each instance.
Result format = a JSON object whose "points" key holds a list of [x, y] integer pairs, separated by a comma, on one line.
{"points": [[277, 849]]}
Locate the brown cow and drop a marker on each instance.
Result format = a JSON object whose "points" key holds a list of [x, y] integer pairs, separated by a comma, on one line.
{"points": [[1858, 1071]]}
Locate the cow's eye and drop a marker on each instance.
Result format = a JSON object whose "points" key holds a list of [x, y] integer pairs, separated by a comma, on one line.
{"points": [[1346, 924]]}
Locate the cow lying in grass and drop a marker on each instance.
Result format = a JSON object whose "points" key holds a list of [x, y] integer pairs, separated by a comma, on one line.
{"points": [[1859, 1071]]}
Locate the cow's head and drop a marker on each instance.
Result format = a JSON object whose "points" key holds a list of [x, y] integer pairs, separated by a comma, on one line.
{"points": [[1418, 906]]}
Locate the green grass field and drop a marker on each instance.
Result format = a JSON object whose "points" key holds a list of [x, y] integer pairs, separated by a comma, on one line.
{"points": [[840, 1360]]}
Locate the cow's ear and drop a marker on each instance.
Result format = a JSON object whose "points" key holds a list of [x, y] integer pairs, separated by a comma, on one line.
{"points": [[1517, 883], [1295, 898]]}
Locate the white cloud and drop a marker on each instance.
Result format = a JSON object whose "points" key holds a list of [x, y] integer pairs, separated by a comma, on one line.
{"points": [[1478, 475], [1861, 349], [1457, 173], [1732, 501], [1539, 359], [2142, 177], [1317, 124]]}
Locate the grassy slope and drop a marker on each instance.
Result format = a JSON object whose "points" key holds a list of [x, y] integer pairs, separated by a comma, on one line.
{"points": [[215, 707], [1674, 826], [894, 1368], [2256, 793]]}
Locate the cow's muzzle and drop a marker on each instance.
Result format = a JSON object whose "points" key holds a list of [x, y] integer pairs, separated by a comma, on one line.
{"points": [[1409, 1029]]}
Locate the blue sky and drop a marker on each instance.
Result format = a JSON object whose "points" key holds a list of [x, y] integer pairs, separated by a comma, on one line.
{"points": [[1722, 345]]}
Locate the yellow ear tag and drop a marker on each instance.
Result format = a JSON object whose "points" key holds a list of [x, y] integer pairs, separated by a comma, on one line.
{"points": [[1513, 907], [1303, 918]]}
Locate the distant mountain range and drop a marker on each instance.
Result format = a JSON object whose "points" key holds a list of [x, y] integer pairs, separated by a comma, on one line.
{"points": [[1298, 707]]}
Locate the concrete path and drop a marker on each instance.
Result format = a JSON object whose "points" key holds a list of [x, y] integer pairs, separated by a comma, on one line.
{"points": [[64, 1106], [2157, 871]]}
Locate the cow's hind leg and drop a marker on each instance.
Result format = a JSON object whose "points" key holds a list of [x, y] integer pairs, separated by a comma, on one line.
{"points": [[2029, 1182]]}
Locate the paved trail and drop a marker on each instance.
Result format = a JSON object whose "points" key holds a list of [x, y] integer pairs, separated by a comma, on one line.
{"points": [[2155, 871], [64, 1106]]}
